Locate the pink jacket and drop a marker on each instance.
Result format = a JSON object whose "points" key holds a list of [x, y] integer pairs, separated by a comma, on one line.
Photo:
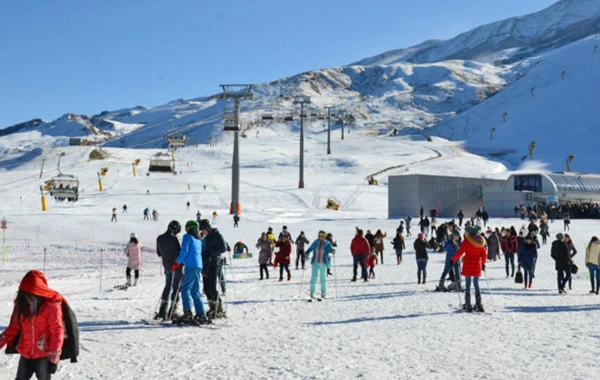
{"points": [[134, 252]]}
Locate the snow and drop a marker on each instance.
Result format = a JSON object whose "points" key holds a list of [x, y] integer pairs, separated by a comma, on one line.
{"points": [[387, 328]]}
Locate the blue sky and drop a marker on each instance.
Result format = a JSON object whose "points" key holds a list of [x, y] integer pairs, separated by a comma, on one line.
{"points": [[73, 56]]}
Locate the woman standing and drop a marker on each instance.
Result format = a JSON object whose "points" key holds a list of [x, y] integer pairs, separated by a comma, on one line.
{"points": [[320, 262], [264, 254], [379, 246], [544, 231], [473, 248], [398, 244], [134, 252], [420, 245], [592, 261], [527, 256], [37, 317], [283, 256], [572, 253]]}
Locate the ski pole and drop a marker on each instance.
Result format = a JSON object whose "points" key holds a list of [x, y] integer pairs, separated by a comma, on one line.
{"points": [[489, 291], [231, 267], [172, 308], [301, 283], [335, 277]]}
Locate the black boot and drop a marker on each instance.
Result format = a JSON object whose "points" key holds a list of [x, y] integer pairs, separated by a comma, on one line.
{"points": [[424, 277], [467, 305], [186, 318], [419, 278], [212, 310], [478, 305], [162, 312], [202, 319]]}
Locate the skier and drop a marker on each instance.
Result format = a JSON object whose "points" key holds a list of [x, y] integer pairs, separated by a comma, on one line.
{"points": [[37, 317], [301, 243], [509, 245], [527, 256], [360, 250], [398, 244], [333, 243], [236, 219], [420, 245], [319, 262], [134, 252], [114, 215], [451, 247], [283, 256], [264, 254], [560, 254], [213, 248], [214, 215], [187, 205], [146, 214], [592, 261], [379, 246], [168, 247], [408, 220], [191, 256], [473, 248], [155, 215], [460, 217], [124, 209]]}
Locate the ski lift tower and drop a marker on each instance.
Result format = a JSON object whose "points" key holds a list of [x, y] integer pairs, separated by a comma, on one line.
{"points": [[237, 92], [302, 100]]}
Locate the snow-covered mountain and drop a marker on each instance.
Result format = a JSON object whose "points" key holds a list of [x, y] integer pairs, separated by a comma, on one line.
{"points": [[455, 89]]}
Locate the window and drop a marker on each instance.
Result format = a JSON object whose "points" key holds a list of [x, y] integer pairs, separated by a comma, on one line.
{"points": [[528, 183]]}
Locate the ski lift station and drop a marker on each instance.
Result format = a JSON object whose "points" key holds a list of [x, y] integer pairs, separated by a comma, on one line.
{"points": [[406, 193]]}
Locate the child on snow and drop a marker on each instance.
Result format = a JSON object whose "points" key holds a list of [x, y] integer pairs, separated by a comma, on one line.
{"points": [[37, 317], [371, 262], [134, 252]]}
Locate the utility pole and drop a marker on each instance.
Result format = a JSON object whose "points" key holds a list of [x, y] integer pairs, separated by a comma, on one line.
{"points": [[302, 100], [342, 115], [237, 92], [328, 130]]}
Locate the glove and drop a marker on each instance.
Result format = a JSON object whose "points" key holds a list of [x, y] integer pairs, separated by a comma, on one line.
{"points": [[51, 368], [228, 249], [483, 267], [175, 266]]}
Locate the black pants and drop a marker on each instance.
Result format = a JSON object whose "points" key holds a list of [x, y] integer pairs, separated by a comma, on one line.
{"points": [[136, 272], [27, 367], [509, 259], [408, 231], [300, 257], [263, 267], [282, 267], [210, 281]]}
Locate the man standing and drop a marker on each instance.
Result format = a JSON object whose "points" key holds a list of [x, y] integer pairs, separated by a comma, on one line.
{"points": [[213, 248], [509, 245], [114, 215], [168, 248], [236, 219], [286, 233], [360, 249], [301, 242], [560, 254]]}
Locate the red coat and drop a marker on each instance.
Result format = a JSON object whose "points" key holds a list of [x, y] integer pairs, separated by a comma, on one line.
{"points": [[360, 246], [285, 250], [371, 261], [40, 335], [475, 255]]}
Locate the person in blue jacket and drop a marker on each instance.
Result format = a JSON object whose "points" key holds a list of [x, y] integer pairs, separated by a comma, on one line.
{"points": [[527, 256], [321, 260], [451, 247], [191, 256]]}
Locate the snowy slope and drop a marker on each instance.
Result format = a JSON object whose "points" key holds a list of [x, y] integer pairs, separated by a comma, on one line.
{"points": [[562, 23]]}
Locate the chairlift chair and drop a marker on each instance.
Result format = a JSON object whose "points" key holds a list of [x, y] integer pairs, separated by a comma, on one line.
{"points": [[289, 117], [268, 116], [63, 186], [160, 162], [229, 122]]}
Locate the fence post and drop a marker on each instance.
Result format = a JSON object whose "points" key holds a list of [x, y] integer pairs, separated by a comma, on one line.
{"points": [[101, 259], [44, 260]]}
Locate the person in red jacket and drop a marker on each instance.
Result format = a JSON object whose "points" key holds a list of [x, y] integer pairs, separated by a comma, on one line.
{"points": [[37, 316], [283, 256], [360, 248], [371, 262], [509, 245], [473, 248]]}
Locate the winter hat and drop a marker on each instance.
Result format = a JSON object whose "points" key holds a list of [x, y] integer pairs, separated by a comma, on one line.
{"points": [[473, 230], [35, 283], [559, 236], [455, 233], [132, 235], [204, 225], [420, 236], [191, 224]]}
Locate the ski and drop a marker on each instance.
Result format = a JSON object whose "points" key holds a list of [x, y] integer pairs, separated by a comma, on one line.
{"points": [[121, 287], [167, 323]]}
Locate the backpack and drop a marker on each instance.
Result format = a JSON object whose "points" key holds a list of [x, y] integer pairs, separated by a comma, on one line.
{"points": [[70, 347]]}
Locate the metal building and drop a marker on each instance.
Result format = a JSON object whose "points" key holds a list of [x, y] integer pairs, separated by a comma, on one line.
{"points": [[406, 194]]}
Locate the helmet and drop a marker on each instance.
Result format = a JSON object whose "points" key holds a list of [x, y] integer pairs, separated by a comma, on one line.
{"points": [[132, 236], [191, 224], [175, 227], [204, 225]]}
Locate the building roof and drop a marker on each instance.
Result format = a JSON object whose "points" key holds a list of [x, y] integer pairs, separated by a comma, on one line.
{"points": [[575, 183]]}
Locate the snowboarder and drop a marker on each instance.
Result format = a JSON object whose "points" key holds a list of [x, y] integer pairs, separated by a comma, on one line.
{"points": [[379, 246], [592, 261], [168, 247], [213, 248], [236, 219], [191, 256], [420, 245], [239, 248], [283, 256], [134, 253], [360, 249], [301, 243], [473, 248], [527, 256], [320, 262], [37, 317], [114, 215], [398, 244], [265, 251]]}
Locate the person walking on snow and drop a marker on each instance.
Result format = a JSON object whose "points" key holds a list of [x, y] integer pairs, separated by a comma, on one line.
{"points": [[124, 209], [398, 244], [320, 261], [451, 247], [301, 243], [473, 248], [264, 254], [592, 262], [114, 215], [38, 319], [360, 249], [283, 256], [286, 233], [560, 254], [509, 245], [146, 213], [420, 245], [236, 219], [191, 256], [379, 246], [424, 224], [527, 256], [408, 220], [460, 216], [371, 262], [198, 216], [572, 253], [213, 248], [134, 252], [333, 243], [168, 247]]}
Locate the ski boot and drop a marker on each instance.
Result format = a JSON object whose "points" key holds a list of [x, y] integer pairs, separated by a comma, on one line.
{"points": [[220, 312], [187, 318], [162, 312], [467, 305], [441, 287], [478, 305], [202, 319], [323, 295], [135, 281], [128, 283]]}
